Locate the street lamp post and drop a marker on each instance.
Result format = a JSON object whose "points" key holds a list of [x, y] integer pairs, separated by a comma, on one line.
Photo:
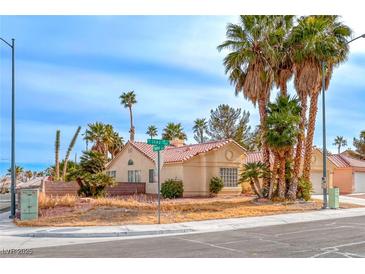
{"points": [[324, 177], [13, 174]]}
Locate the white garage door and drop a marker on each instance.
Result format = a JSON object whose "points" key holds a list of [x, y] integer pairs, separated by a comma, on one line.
{"points": [[359, 178], [316, 179]]}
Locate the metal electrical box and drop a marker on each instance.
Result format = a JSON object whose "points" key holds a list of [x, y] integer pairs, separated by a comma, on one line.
{"points": [[28, 204], [334, 197]]}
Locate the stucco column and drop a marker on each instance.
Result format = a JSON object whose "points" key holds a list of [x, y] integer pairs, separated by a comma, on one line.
{"points": [[203, 164]]}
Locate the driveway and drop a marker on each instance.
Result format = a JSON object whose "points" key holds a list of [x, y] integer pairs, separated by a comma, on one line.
{"points": [[357, 195]]}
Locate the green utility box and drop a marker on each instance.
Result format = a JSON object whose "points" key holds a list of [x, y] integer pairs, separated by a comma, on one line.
{"points": [[28, 204], [334, 197]]}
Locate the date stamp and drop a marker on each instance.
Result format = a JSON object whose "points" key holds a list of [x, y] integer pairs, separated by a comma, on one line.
{"points": [[16, 251]]}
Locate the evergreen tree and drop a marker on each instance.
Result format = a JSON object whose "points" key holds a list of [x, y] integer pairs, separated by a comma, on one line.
{"points": [[229, 123], [359, 145]]}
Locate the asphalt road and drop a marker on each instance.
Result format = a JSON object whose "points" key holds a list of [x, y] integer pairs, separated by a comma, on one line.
{"points": [[339, 238]]}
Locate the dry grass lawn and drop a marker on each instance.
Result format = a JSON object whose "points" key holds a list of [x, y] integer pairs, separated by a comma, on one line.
{"points": [[72, 211]]}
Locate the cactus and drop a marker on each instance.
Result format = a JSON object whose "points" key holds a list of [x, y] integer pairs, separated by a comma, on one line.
{"points": [[57, 155], [70, 147]]}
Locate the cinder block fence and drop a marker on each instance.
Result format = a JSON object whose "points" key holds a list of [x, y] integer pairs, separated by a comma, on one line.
{"points": [[51, 188]]}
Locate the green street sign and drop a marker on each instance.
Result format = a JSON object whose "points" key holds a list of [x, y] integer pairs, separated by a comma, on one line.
{"points": [[158, 142], [158, 147]]}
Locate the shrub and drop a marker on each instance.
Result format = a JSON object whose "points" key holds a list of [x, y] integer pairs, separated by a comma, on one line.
{"points": [[94, 185], [172, 188], [4, 190], [304, 189], [93, 161], [252, 173], [215, 185], [90, 176]]}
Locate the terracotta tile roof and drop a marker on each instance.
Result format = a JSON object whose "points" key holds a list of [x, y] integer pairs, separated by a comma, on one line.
{"points": [[338, 160], [173, 154], [253, 157], [341, 160]]}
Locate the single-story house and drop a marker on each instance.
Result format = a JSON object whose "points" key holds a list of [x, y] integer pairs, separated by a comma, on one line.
{"points": [[349, 174], [194, 164], [316, 168]]}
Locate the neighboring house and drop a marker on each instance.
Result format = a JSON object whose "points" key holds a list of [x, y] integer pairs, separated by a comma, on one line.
{"points": [[316, 168], [194, 164], [349, 174]]}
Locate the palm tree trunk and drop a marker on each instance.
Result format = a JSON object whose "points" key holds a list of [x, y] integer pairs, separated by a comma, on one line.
{"points": [[274, 175], [131, 131], [259, 188], [282, 185], [255, 189], [339, 149], [265, 148], [283, 88], [310, 133], [292, 193]]}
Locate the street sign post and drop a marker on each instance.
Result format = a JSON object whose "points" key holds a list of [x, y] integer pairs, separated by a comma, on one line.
{"points": [[158, 145], [158, 142]]}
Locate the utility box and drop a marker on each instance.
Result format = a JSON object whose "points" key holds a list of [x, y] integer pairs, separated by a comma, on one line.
{"points": [[334, 197], [28, 204]]}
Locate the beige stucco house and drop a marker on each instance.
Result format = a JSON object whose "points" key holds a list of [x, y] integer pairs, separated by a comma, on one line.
{"points": [[194, 164]]}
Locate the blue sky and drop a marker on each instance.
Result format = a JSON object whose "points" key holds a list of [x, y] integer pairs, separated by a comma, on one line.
{"points": [[71, 71]]}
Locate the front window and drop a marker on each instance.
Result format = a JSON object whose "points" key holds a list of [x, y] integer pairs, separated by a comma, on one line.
{"points": [[229, 176], [151, 175], [111, 173], [134, 176]]}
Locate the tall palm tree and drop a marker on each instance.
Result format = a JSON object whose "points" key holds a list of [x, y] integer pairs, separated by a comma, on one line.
{"points": [[18, 170], [314, 40], [128, 99], [281, 53], [152, 131], [340, 142], [57, 155], [114, 141], [28, 175], [173, 131], [95, 133], [281, 134], [249, 64], [104, 138], [200, 128], [69, 149]]}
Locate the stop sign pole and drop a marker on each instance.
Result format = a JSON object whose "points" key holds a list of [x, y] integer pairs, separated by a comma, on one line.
{"points": [[158, 145]]}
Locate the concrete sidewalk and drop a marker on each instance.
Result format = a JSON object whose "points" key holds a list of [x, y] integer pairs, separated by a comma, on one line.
{"points": [[12, 236], [7, 228]]}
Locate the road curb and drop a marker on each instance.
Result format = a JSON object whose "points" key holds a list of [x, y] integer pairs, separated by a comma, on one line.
{"points": [[4, 209], [104, 234]]}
